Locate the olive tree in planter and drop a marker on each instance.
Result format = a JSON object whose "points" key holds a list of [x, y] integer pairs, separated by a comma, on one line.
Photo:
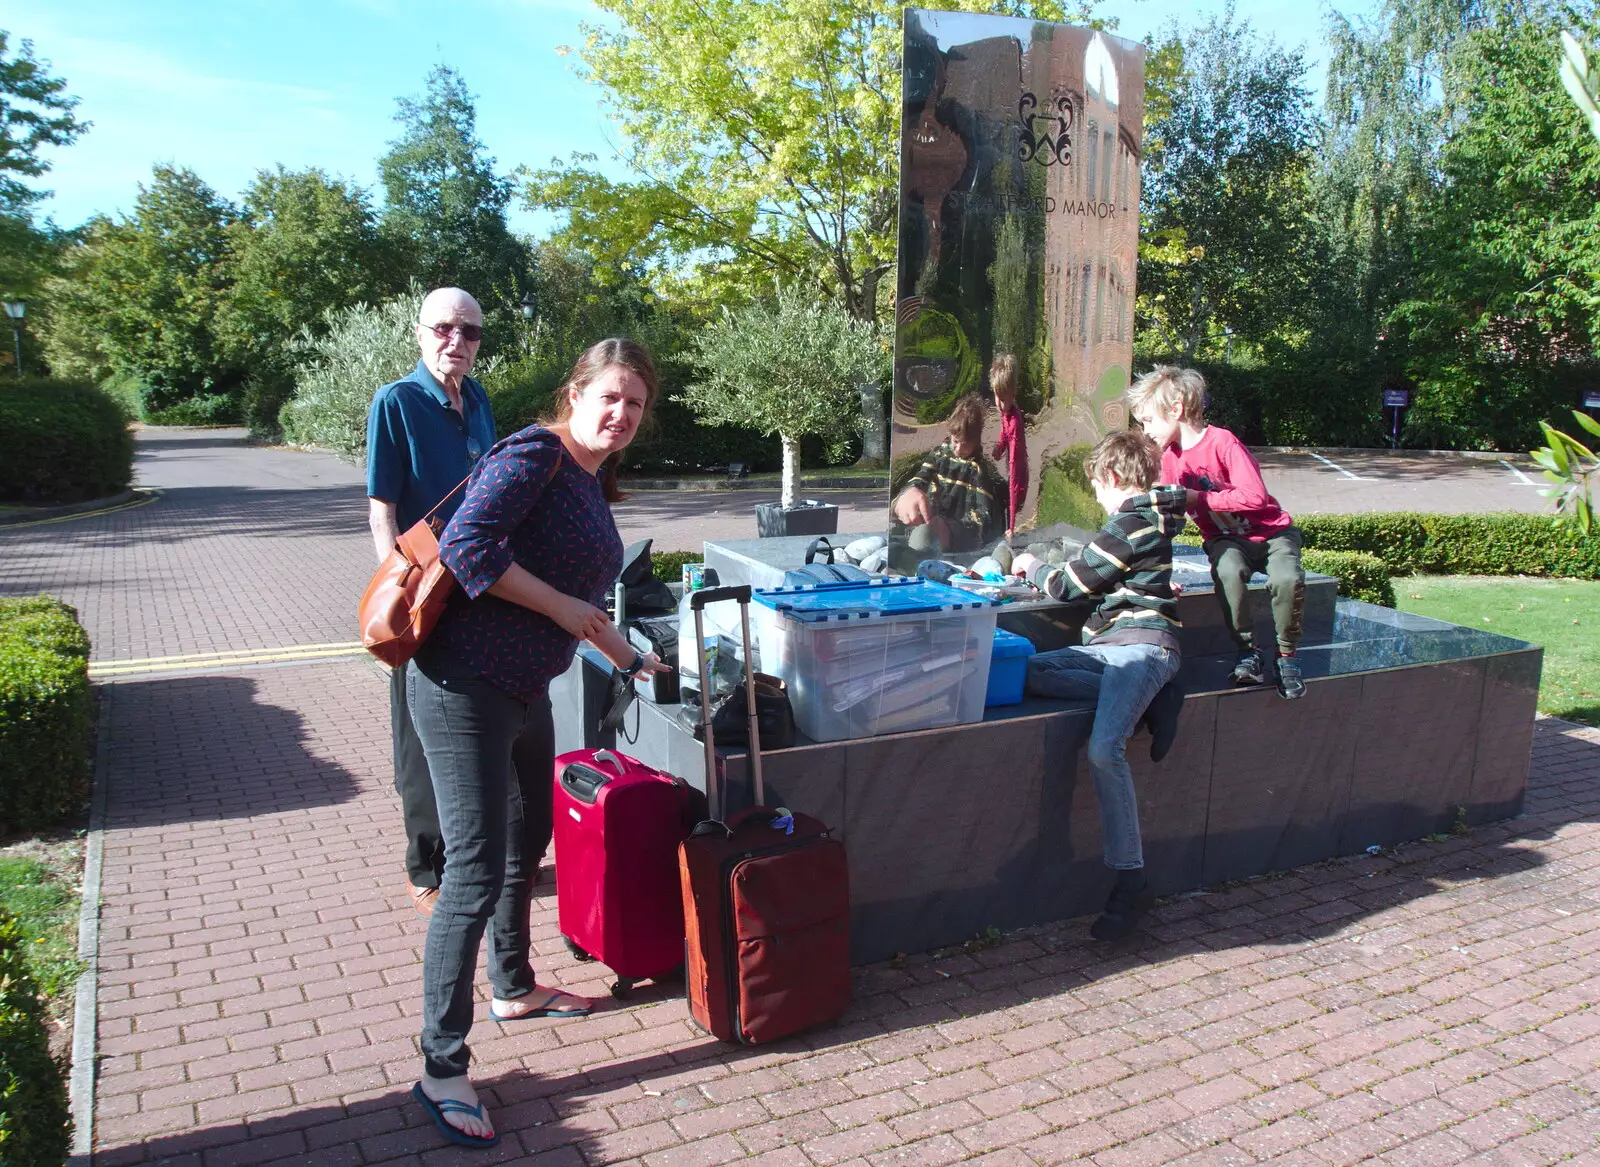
{"points": [[795, 368]]}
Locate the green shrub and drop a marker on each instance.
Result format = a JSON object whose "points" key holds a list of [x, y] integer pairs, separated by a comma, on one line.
{"points": [[262, 400], [61, 441], [207, 409], [1065, 495], [667, 566], [45, 712], [1361, 576], [364, 348], [1484, 544], [35, 1123], [521, 392], [125, 389]]}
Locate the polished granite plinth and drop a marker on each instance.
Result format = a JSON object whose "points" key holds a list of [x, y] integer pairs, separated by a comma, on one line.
{"points": [[1409, 727], [1050, 624]]}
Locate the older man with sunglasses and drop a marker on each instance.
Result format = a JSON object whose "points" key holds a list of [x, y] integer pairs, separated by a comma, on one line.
{"points": [[424, 432]]}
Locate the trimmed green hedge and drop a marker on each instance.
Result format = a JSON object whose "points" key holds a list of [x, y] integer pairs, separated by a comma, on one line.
{"points": [[1491, 544], [35, 1122], [667, 566], [61, 441], [45, 712], [1361, 576]]}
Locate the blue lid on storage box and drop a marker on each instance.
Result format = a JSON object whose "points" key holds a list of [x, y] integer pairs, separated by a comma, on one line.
{"points": [[1008, 644], [893, 596]]}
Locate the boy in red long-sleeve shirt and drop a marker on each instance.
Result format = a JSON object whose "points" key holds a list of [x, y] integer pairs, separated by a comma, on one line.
{"points": [[1244, 528]]}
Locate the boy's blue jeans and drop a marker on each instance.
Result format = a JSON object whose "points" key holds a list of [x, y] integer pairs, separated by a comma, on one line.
{"points": [[1120, 679]]}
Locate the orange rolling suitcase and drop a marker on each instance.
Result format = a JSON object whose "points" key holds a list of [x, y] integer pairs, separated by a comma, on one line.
{"points": [[766, 898]]}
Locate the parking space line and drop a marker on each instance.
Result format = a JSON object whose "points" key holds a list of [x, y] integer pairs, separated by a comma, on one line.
{"points": [[1522, 479], [1335, 466]]}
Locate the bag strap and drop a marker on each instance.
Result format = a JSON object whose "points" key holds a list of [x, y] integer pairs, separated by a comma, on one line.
{"points": [[818, 545], [428, 518]]}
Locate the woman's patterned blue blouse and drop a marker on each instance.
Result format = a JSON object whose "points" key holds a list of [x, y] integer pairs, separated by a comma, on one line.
{"points": [[528, 503]]}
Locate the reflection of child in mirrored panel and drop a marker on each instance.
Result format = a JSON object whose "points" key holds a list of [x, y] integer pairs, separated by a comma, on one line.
{"points": [[1128, 662], [1013, 436], [954, 502], [1245, 529]]}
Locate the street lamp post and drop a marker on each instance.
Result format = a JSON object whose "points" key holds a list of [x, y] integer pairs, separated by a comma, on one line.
{"points": [[15, 309]]}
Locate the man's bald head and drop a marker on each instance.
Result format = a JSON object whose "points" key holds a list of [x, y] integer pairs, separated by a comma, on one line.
{"points": [[449, 327], [446, 305]]}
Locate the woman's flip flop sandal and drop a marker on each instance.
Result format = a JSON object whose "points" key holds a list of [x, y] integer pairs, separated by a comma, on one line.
{"points": [[544, 1010], [437, 1109]]}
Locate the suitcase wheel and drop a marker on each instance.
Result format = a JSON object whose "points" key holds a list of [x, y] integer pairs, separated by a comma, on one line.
{"points": [[622, 988], [578, 954]]}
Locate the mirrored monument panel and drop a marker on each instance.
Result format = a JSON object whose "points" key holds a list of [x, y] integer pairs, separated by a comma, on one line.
{"points": [[1019, 204]]}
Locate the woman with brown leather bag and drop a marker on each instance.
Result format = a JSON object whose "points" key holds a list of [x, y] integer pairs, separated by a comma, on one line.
{"points": [[534, 551]]}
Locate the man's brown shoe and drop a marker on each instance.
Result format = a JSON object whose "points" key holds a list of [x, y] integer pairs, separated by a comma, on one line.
{"points": [[422, 898]]}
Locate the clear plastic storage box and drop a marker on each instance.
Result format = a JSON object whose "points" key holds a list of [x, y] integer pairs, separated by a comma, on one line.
{"points": [[891, 655]]}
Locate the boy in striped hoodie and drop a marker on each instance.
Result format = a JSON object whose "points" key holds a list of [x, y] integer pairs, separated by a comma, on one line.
{"points": [[1128, 662]]}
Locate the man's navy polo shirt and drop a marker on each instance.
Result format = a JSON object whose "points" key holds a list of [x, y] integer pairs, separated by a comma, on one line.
{"points": [[418, 448]]}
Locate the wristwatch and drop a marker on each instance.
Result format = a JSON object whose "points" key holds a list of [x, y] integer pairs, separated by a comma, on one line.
{"points": [[633, 669]]}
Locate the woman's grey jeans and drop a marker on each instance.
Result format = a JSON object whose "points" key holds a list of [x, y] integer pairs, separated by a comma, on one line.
{"points": [[491, 756], [1120, 679]]}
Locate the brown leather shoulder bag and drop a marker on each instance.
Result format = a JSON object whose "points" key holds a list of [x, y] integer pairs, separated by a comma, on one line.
{"points": [[407, 593]]}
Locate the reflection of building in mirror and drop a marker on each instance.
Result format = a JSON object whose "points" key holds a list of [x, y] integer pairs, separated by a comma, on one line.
{"points": [[1018, 244]]}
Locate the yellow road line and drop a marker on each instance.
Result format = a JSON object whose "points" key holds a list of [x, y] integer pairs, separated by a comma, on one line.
{"points": [[125, 668], [232, 652], [150, 496]]}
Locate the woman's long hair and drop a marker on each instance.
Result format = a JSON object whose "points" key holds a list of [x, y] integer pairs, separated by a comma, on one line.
{"points": [[613, 352]]}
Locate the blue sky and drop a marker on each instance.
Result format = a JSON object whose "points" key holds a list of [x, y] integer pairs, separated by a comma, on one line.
{"points": [[228, 88]]}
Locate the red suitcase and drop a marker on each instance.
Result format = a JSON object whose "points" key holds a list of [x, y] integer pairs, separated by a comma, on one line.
{"points": [[618, 824], [766, 900]]}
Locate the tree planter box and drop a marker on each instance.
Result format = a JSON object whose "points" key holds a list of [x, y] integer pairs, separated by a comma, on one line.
{"points": [[773, 520]]}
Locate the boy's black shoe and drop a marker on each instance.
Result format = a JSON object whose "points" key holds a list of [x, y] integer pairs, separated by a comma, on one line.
{"points": [[1161, 717], [1130, 899], [1250, 670], [1291, 685]]}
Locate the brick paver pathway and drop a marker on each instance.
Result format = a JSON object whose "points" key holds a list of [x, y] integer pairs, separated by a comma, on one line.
{"points": [[260, 973]]}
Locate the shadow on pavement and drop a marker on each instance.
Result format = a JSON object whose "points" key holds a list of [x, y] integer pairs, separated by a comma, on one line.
{"points": [[186, 513], [205, 748], [1039, 967]]}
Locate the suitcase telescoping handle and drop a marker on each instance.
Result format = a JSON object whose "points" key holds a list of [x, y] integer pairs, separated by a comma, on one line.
{"points": [[697, 601]]}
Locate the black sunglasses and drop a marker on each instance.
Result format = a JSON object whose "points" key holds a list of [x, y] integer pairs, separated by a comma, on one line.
{"points": [[472, 333]]}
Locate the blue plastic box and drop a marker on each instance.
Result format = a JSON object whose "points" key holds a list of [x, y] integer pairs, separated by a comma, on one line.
{"points": [[875, 657], [1008, 668]]}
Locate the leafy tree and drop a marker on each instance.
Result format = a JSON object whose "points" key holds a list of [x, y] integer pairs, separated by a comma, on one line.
{"points": [[148, 292], [35, 112], [792, 368], [1226, 174], [303, 243], [765, 135], [1503, 317], [1393, 97], [446, 207]]}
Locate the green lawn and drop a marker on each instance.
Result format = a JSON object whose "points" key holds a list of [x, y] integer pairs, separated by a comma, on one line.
{"points": [[1561, 614], [39, 884]]}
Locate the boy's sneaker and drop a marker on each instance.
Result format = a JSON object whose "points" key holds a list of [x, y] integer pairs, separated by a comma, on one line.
{"points": [[1130, 899], [1250, 670], [1291, 686]]}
